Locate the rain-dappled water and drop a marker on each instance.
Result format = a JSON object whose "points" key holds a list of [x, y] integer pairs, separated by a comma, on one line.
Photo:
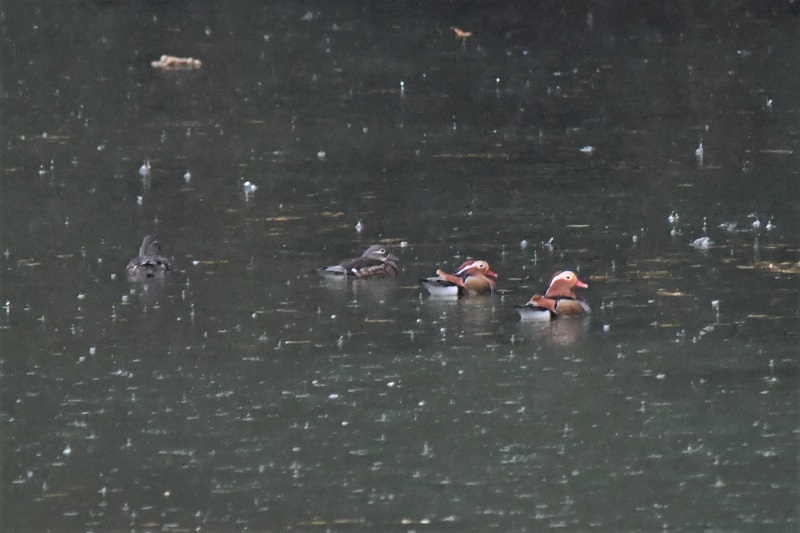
{"points": [[654, 153]]}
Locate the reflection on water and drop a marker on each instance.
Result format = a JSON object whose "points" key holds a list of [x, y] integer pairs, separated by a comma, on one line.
{"points": [[244, 391], [562, 332]]}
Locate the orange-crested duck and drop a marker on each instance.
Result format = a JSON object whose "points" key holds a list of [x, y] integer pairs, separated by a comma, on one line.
{"points": [[472, 277], [375, 262], [149, 263], [559, 300]]}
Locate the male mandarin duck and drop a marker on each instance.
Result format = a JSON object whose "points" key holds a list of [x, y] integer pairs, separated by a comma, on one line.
{"points": [[375, 262], [149, 263], [559, 300], [472, 277]]}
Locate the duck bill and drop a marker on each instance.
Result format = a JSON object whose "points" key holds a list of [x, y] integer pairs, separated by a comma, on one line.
{"points": [[582, 285], [491, 274]]}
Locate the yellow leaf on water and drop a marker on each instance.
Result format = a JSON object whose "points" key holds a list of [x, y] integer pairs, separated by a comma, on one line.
{"points": [[662, 292], [210, 262], [776, 151], [655, 274], [285, 218], [461, 34]]}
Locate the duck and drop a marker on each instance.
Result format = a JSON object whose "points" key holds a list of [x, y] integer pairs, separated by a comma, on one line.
{"points": [[559, 300], [149, 263], [473, 277], [375, 262]]}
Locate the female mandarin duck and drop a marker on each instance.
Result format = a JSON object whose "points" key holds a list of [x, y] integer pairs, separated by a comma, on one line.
{"points": [[375, 262], [472, 277], [149, 263], [559, 300]]}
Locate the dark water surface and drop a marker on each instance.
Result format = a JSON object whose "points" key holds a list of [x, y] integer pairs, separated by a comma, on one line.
{"points": [[245, 392]]}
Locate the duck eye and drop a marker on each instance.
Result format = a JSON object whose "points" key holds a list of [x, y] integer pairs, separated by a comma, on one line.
{"points": [[382, 251]]}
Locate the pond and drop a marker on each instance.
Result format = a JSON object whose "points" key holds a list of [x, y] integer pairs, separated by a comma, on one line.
{"points": [[653, 153]]}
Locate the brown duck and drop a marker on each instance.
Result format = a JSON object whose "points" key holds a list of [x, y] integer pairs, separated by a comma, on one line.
{"points": [[149, 263], [472, 277], [559, 300], [375, 262]]}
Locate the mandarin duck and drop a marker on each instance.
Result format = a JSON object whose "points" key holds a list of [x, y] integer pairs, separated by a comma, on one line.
{"points": [[472, 277], [149, 263], [559, 300], [375, 262]]}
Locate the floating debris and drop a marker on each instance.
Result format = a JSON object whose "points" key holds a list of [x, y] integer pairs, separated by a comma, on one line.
{"points": [[249, 189], [461, 34], [778, 268], [670, 294], [168, 62], [359, 227], [699, 152], [673, 218], [587, 149], [187, 177], [702, 243], [144, 170], [282, 218]]}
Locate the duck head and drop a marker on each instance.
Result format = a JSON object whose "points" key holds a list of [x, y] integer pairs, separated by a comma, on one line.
{"points": [[476, 267], [150, 246], [562, 283], [378, 252]]}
